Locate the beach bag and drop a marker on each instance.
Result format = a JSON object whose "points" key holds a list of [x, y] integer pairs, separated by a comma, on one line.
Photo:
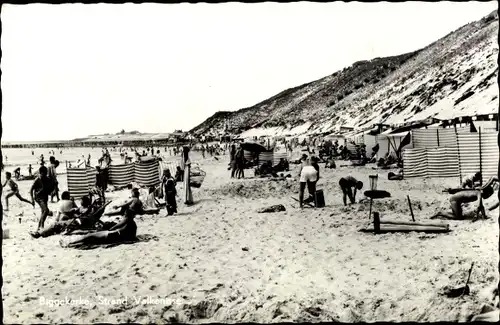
{"points": [[196, 177]]}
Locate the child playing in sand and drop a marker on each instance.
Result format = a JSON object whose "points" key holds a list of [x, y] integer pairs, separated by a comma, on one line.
{"points": [[14, 190], [40, 190], [347, 184]]}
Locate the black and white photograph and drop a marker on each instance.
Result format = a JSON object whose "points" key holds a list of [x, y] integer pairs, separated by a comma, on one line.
{"points": [[250, 162]]}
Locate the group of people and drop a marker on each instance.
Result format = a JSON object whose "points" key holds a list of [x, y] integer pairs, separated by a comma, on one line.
{"points": [[237, 162], [309, 175]]}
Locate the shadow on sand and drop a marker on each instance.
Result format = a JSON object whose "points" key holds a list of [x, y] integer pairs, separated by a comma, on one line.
{"points": [[140, 239]]}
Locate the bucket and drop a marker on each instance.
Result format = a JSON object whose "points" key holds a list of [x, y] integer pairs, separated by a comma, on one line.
{"points": [[320, 199], [373, 182]]}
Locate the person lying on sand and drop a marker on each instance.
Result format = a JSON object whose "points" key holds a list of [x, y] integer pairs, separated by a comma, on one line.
{"points": [[349, 185], [465, 196], [125, 230], [14, 191], [67, 212], [395, 177]]}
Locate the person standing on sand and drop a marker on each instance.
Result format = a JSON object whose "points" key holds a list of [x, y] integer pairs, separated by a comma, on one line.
{"points": [[30, 170], [170, 192], [240, 163], [232, 160], [188, 194], [40, 191], [51, 173]]}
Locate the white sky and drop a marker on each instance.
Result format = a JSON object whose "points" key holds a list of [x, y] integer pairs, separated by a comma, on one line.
{"points": [[73, 70]]}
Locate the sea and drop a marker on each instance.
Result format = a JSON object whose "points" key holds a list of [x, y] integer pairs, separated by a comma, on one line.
{"points": [[23, 157]]}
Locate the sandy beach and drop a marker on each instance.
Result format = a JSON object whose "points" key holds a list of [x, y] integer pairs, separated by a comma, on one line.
{"points": [[221, 261]]}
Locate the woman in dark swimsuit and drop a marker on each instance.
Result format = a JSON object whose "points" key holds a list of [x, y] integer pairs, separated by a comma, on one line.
{"points": [[125, 230]]}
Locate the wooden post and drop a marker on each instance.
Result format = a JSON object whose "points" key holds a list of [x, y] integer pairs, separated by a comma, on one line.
{"points": [[437, 136], [459, 162], [411, 210], [480, 157], [376, 222], [370, 213]]}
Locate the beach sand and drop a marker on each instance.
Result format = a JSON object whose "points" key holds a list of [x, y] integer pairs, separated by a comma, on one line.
{"points": [[221, 261]]}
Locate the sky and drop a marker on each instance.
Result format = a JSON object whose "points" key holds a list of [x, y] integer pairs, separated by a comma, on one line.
{"points": [[73, 70]]}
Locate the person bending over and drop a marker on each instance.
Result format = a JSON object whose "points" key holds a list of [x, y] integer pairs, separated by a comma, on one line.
{"points": [[478, 193], [125, 230], [349, 186], [308, 176]]}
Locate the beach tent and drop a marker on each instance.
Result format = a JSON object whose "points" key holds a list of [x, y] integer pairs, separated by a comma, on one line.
{"points": [[393, 142]]}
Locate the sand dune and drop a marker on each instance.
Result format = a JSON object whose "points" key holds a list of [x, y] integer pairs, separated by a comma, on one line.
{"points": [[220, 260]]}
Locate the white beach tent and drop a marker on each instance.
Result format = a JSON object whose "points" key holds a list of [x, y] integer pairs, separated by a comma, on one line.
{"points": [[390, 142]]}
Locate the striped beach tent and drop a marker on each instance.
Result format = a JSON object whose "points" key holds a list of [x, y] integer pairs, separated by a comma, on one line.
{"points": [[265, 156], [278, 155], [147, 173], [121, 175], [170, 165], [415, 162], [80, 181]]}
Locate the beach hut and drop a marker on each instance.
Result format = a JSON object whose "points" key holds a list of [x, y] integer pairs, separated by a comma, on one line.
{"points": [[393, 143]]}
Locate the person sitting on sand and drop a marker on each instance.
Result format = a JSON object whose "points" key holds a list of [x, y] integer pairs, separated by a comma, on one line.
{"points": [[330, 163], [473, 180], [125, 230], [465, 196], [131, 203], [14, 191], [349, 186], [66, 214], [308, 176], [17, 173], [265, 169], [282, 166]]}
